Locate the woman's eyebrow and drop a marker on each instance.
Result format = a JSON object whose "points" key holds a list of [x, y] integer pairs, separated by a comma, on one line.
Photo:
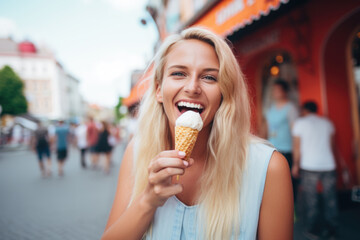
{"points": [[184, 67], [177, 66], [211, 70]]}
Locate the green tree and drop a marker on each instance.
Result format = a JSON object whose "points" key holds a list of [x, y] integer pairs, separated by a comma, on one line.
{"points": [[12, 97], [118, 113]]}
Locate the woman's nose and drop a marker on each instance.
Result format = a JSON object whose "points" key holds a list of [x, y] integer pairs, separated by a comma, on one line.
{"points": [[192, 85]]}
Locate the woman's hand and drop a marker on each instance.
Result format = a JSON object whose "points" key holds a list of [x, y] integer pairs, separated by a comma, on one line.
{"points": [[161, 170]]}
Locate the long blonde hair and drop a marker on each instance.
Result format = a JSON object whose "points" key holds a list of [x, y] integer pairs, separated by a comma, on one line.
{"points": [[219, 199]]}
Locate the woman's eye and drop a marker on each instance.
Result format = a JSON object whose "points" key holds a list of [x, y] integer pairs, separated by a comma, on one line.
{"points": [[211, 78], [179, 74]]}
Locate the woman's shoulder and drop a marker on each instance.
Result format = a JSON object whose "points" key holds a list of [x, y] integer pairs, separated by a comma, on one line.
{"points": [[259, 154], [263, 155], [260, 144]]}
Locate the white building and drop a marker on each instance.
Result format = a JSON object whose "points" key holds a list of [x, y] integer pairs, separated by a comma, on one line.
{"points": [[51, 92]]}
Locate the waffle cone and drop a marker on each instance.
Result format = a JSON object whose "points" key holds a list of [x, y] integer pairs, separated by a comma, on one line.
{"points": [[185, 139]]}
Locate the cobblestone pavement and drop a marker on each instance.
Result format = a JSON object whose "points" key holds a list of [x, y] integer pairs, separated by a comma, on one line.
{"points": [[75, 206]]}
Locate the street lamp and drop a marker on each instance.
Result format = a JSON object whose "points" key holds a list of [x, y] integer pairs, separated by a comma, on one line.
{"points": [[154, 16]]}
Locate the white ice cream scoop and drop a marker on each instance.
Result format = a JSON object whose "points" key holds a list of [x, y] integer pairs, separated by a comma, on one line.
{"points": [[190, 119]]}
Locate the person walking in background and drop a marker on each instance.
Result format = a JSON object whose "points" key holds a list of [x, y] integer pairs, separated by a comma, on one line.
{"points": [[16, 135], [114, 139], [92, 135], [81, 141], [103, 146], [132, 123], [280, 118], [41, 146], [72, 134], [62, 140], [314, 162]]}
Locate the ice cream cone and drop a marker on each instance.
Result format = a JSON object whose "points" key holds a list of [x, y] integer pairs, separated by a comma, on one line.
{"points": [[188, 125], [185, 138]]}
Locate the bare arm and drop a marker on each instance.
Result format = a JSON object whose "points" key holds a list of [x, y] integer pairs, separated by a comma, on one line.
{"points": [[33, 141], [123, 222], [295, 170], [132, 222], [336, 153], [277, 208]]}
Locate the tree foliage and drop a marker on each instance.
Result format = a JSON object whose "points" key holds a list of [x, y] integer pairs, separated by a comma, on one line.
{"points": [[12, 99], [118, 114]]}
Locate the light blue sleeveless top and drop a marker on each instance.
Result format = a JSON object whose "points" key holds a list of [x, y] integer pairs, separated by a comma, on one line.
{"points": [[279, 128], [177, 221]]}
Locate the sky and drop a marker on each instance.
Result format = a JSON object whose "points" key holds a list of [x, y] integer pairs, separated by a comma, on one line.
{"points": [[99, 42]]}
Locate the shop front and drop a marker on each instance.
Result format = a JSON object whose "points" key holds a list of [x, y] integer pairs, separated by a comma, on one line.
{"points": [[314, 46]]}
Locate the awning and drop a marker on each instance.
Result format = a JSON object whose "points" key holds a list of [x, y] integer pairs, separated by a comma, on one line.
{"points": [[228, 16], [138, 91]]}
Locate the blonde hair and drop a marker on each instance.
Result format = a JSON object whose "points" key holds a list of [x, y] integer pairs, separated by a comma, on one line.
{"points": [[219, 199]]}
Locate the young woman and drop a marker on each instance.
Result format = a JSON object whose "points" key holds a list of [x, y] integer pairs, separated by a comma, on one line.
{"points": [[233, 187]]}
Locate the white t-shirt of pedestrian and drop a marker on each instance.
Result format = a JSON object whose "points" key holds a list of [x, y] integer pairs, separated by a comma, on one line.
{"points": [[80, 133], [315, 134]]}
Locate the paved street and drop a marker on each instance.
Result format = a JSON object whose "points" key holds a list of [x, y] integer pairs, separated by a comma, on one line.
{"points": [[75, 206]]}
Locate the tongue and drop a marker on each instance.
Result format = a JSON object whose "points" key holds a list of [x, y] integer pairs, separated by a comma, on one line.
{"points": [[184, 109]]}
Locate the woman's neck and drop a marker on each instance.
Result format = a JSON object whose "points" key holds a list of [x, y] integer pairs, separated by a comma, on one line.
{"points": [[281, 102]]}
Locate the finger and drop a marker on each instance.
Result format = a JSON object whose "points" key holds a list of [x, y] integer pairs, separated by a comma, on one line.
{"points": [[164, 174], [171, 154], [191, 161], [162, 163], [168, 191]]}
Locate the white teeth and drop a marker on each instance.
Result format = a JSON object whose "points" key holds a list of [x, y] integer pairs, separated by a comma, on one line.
{"points": [[190, 105]]}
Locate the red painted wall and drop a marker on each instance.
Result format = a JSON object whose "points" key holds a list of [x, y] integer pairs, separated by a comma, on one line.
{"points": [[337, 87], [322, 76]]}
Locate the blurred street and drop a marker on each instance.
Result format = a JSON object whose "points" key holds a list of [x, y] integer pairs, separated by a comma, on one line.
{"points": [[75, 206]]}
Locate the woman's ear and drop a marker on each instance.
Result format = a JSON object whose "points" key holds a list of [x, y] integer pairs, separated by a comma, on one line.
{"points": [[159, 97]]}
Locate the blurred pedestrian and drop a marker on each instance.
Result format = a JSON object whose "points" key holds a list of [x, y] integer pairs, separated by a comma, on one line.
{"points": [[16, 135], [103, 146], [314, 162], [72, 134], [280, 118], [114, 139], [81, 141], [62, 140], [41, 146], [116, 135], [132, 123], [92, 135]]}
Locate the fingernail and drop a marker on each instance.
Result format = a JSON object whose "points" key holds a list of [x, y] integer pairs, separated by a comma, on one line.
{"points": [[182, 154], [186, 163]]}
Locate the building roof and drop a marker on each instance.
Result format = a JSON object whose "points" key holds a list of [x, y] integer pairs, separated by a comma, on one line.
{"points": [[27, 47], [7, 45]]}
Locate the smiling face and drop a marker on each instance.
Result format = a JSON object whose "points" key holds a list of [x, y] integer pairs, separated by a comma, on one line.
{"points": [[190, 81]]}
